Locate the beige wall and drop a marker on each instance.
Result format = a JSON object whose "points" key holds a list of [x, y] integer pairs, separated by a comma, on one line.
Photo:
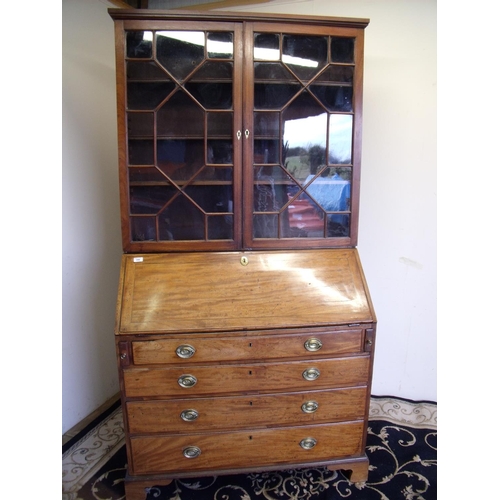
{"points": [[397, 241]]}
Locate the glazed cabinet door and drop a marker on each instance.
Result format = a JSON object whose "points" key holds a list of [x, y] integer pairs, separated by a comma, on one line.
{"points": [[180, 164], [303, 122]]}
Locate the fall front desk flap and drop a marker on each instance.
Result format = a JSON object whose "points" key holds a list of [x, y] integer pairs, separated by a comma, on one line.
{"points": [[203, 292]]}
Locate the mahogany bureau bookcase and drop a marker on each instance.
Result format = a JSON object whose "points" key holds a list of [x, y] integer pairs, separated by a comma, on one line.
{"points": [[244, 327]]}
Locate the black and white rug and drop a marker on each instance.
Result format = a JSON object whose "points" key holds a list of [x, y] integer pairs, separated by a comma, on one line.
{"points": [[401, 448]]}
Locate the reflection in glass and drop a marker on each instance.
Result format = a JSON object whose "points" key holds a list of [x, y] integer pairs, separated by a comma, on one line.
{"points": [[143, 228], [272, 71], [265, 225], [179, 52], [266, 124], [306, 55], [180, 116], [139, 44], [214, 70], [266, 46], [340, 139], [147, 95], [140, 152], [266, 151], [145, 70], [210, 197], [220, 45]]}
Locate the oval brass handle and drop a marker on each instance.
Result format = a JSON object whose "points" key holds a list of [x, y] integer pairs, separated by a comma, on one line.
{"points": [[187, 380], [313, 345], [189, 415], [185, 351], [308, 443], [191, 452], [310, 407], [311, 374]]}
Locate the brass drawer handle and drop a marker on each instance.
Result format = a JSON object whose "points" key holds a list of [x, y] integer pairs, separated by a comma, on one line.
{"points": [[308, 443], [191, 452], [313, 345], [189, 415], [310, 407], [311, 374], [185, 351], [187, 380]]}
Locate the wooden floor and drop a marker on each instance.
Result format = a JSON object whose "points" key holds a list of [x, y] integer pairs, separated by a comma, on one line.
{"points": [[71, 433]]}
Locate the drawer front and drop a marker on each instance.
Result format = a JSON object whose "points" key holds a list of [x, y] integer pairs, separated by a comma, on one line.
{"points": [[233, 450], [185, 348], [226, 413], [194, 380]]}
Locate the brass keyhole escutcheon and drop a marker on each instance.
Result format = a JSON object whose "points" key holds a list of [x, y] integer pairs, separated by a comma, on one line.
{"points": [[244, 260]]}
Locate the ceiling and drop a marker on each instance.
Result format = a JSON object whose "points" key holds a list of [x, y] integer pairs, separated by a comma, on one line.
{"points": [[184, 4]]}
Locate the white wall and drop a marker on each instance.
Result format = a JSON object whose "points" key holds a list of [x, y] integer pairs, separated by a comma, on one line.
{"points": [[397, 234], [90, 215]]}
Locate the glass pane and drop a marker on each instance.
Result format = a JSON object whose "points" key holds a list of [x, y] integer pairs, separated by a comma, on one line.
{"points": [[180, 116], [220, 45], [342, 49], [140, 152], [338, 74], [271, 174], [145, 174], [268, 195], [210, 197], [220, 227], [265, 226], [340, 139], [149, 199], [143, 228], [333, 97], [304, 137], [331, 192], [147, 95], [338, 225], [266, 151], [219, 174], [266, 124], [139, 44], [220, 124], [181, 220], [145, 70], [274, 96], [305, 55], [140, 124], [180, 159], [305, 218], [180, 51], [266, 46], [214, 70], [212, 95], [219, 152], [272, 72]]}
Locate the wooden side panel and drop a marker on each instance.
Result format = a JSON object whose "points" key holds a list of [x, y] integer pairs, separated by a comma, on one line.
{"points": [[263, 447], [253, 377], [212, 292], [239, 412]]}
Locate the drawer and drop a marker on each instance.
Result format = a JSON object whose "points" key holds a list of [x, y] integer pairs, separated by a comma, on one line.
{"points": [[239, 412], [187, 348], [196, 380], [243, 449]]}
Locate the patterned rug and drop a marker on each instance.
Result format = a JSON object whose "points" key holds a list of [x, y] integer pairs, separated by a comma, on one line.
{"points": [[401, 448]]}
